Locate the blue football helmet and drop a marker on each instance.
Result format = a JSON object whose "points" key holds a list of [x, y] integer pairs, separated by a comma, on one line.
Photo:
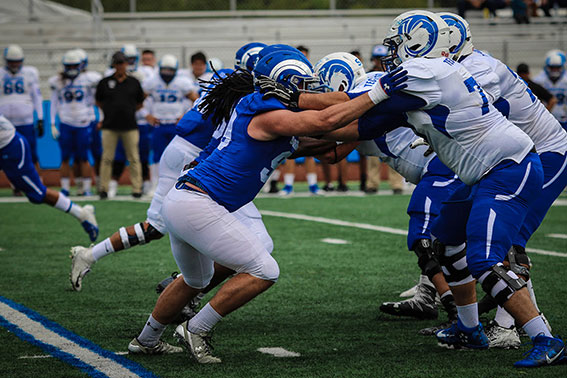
{"points": [[555, 64], [416, 34], [459, 35], [339, 71], [289, 68], [280, 47], [247, 55]]}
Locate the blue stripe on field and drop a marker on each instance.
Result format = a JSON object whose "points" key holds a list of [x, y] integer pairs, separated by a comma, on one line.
{"points": [[56, 352]]}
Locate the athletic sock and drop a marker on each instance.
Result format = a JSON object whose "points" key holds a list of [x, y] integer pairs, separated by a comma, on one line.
{"points": [[468, 315], [535, 327], [66, 205], [289, 178], [532, 294], [87, 184], [102, 249], [312, 179], [503, 318], [205, 320], [66, 183], [152, 331]]}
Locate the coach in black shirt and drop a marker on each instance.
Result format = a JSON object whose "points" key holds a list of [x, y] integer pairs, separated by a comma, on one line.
{"points": [[120, 96]]}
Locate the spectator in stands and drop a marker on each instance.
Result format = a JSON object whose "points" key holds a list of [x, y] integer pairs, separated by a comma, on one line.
{"points": [[490, 5], [310, 167], [120, 96], [375, 168], [520, 11], [540, 92]]}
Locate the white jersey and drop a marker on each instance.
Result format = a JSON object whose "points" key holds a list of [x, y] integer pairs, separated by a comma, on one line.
{"points": [[148, 71], [393, 148], [95, 77], [559, 90], [7, 131], [525, 110], [166, 101], [469, 135], [73, 100], [20, 95]]}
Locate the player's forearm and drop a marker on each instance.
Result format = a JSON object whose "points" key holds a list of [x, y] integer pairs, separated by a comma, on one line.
{"points": [[348, 133], [319, 101], [312, 147], [340, 115]]}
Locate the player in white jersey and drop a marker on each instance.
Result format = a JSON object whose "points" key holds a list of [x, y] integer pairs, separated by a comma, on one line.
{"points": [[498, 163], [16, 162], [554, 79], [418, 165], [72, 101], [20, 97], [515, 100], [166, 102]]}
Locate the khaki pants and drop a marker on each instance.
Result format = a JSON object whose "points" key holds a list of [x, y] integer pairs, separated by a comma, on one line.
{"points": [[373, 169], [130, 141]]}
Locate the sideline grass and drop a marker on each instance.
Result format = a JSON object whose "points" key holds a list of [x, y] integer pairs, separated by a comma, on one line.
{"points": [[325, 305]]}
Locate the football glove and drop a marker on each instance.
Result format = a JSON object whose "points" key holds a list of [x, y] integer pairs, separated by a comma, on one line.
{"points": [[272, 89], [40, 130], [388, 84], [422, 142]]}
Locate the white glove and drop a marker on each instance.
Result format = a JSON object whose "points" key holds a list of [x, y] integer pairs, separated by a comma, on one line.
{"points": [[54, 132], [418, 142]]}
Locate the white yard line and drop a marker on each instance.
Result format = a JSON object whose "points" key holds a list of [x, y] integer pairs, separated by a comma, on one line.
{"points": [[63, 344], [557, 236], [372, 227], [278, 352], [334, 241]]}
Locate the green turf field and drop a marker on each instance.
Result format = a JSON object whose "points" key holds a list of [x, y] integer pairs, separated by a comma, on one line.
{"points": [[324, 306]]}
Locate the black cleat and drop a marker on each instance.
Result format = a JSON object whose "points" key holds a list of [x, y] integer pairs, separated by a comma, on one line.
{"points": [[420, 306]]}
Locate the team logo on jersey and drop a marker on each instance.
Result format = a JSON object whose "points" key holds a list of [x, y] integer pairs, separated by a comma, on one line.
{"points": [[111, 84]]}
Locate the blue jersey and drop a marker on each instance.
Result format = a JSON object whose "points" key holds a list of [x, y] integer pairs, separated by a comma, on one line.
{"points": [[238, 168], [195, 129]]}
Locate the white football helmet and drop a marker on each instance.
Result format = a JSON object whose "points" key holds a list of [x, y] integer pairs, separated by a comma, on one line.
{"points": [[340, 71], [168, 65], [416, 34], [84, 58], [460, 35], [14, 58], [555, 64], [71, 64], [132, 54]]}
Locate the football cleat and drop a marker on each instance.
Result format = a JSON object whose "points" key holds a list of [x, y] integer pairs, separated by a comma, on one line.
{"points": [[199, 345], [88, 221], [161, 348], [314, 189], [420, 306], [546, 351], [82, 260], [431, 331], [501, 337], [460, 337], [287, 190], [409, 292]]}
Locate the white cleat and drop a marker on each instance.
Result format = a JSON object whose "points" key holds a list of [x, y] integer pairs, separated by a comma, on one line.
{"points": [[502, 338], [82, 260], [161, 348], [88, 221], [112, 188], [199, 345], [411, 292]]}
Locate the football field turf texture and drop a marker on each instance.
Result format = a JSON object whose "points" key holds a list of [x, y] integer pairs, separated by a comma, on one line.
{"points": [[324, 306]]}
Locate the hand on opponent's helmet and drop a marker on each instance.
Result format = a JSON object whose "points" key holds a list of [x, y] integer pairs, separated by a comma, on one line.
{"points": [[272, 89]]}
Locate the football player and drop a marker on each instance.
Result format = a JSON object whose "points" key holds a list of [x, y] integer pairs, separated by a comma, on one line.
{"points": [[553, 79], [16, 162], [72, 100], [20, 97], [511, 96], [260, 135], [166, 103]]}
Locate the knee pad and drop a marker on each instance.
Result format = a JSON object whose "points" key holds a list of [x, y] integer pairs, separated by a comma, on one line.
{"points": [[426, 258], [264, 267], [141, 236], [501, 283], [453, 263], [519, 261]]}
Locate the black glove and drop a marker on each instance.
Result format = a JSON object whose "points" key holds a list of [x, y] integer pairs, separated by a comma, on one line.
{"points": [[39, 126], [270, 88]]}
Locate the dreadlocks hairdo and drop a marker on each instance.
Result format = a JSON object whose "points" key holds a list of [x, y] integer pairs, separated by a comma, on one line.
{"points": [[224, 93]]}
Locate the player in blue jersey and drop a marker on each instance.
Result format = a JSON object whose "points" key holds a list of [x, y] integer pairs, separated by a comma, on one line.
{"points": [[16, 162], [261, 132]]}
